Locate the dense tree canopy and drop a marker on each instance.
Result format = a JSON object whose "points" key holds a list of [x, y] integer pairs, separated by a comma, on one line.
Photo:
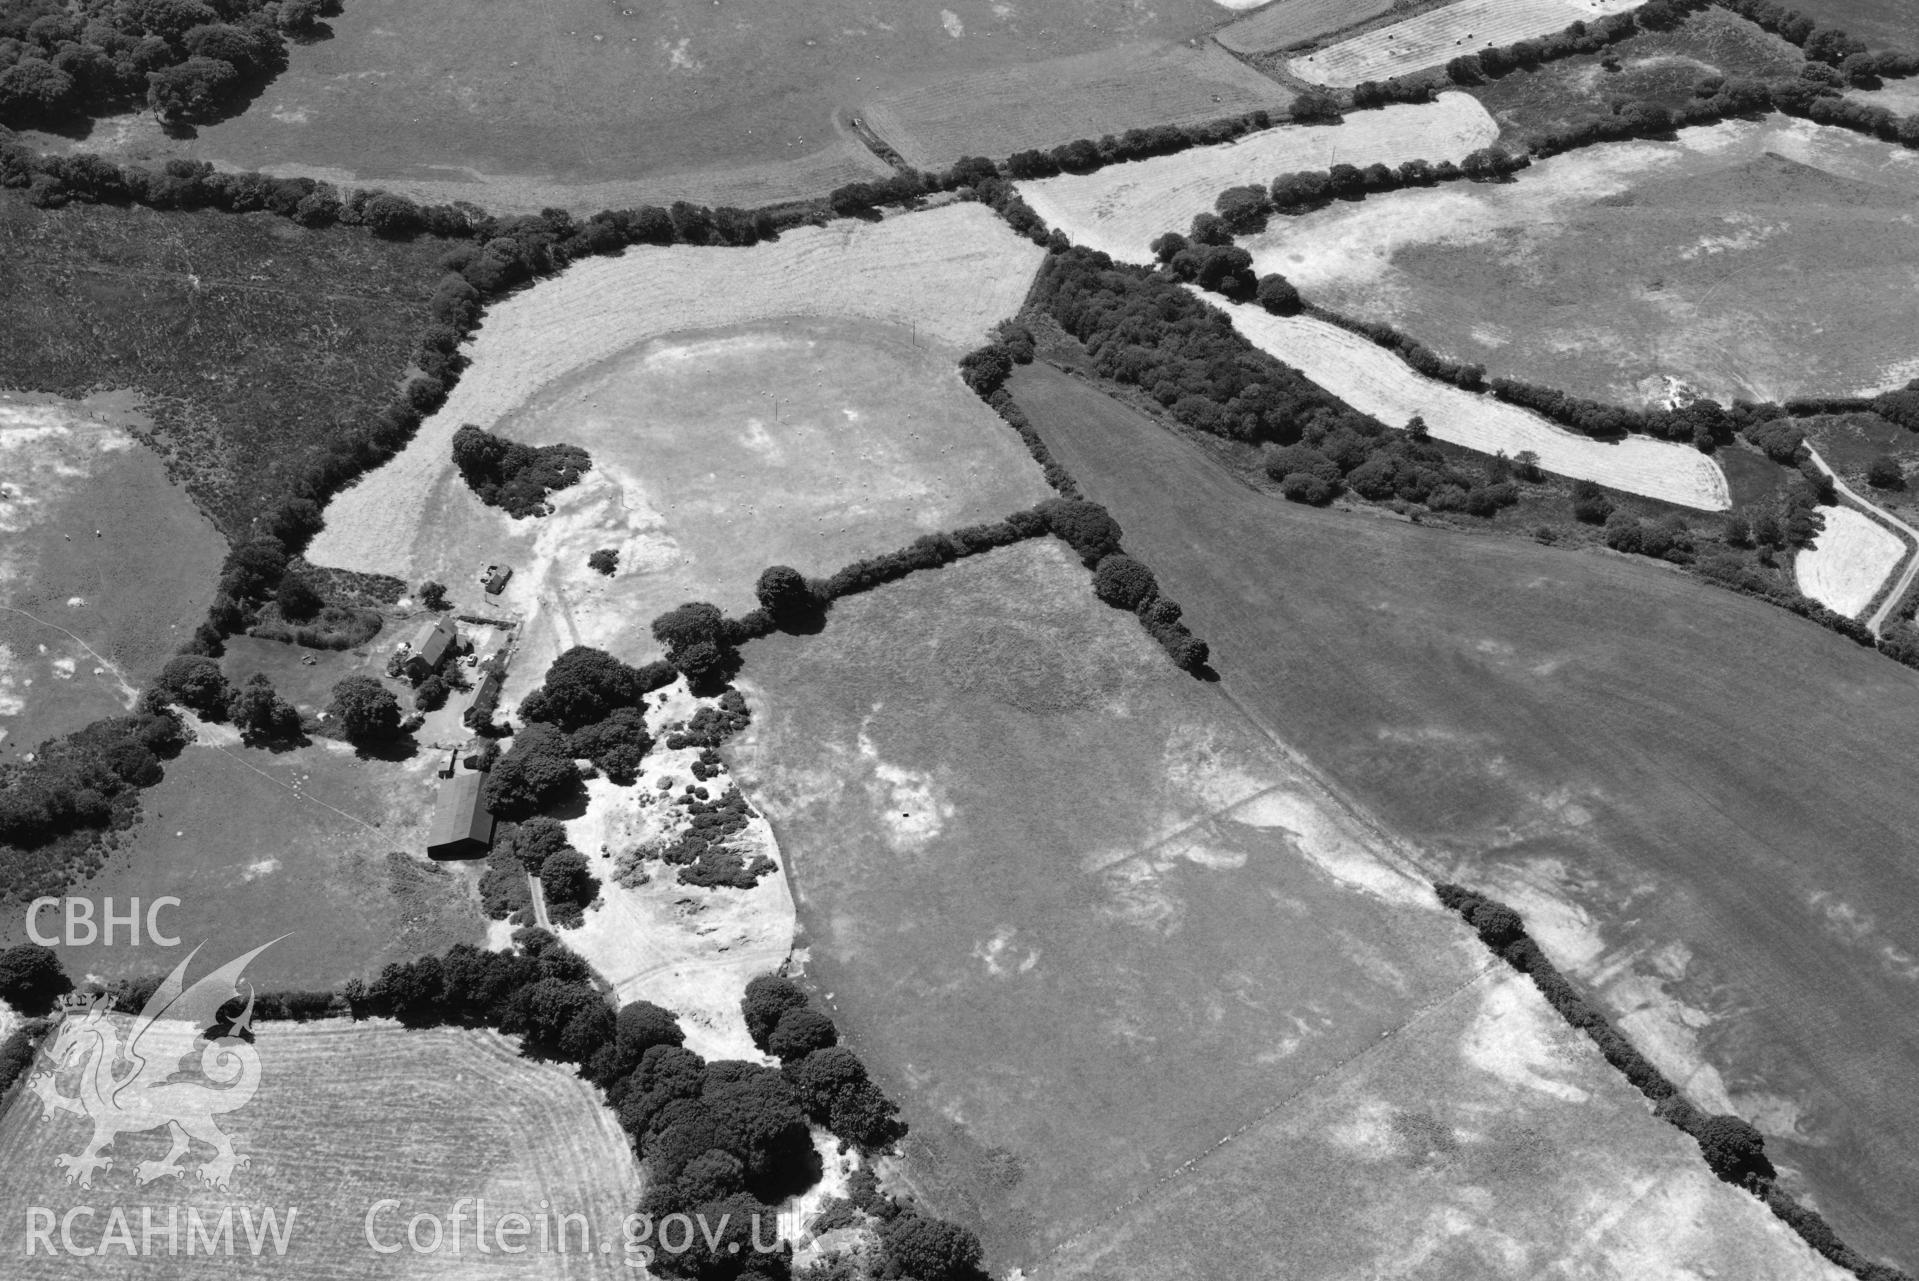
{"points": [[32, 978], [536, 771], [366, 711]]}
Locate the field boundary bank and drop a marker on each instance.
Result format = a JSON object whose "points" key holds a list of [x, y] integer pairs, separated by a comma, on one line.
{"points": [[1192, 1164], [1888, 595], [1732, 1148]]}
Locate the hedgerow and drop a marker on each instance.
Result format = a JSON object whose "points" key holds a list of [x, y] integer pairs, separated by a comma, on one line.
{"points": [[1731, 1147]]}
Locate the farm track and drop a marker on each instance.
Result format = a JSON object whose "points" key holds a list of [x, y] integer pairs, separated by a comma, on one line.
{"points": [[1876, 623]]}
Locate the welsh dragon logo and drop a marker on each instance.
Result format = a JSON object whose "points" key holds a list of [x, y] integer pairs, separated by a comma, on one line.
{"points": [[127, 1086]]}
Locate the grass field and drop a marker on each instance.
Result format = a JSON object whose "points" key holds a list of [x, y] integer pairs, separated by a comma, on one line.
{"points": [[252, 340], [1766, 259], [1120, 209], [1067, 902], [1293, 22], [1709, 833], [1485, 1139], [1377, 382], [1848, 563], [346, 1116], [657, 102], [258, 844], [1434, 38], [86, 618], [945, 276], [1044, 104]]}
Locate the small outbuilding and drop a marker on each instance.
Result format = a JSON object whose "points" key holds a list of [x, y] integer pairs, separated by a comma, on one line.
{"points": [[429, 648], [497, 577], [462, 826]]}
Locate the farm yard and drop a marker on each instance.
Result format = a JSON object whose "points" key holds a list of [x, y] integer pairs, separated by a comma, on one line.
{"points": [[1485, 1139], [1434, 38], [1071, 905], [348, 1115], [589, 105], [1120, 209], [1847, 564], [1376, 381], [1728, 869], [1044, 104], [1287, 23], [1759, 253], [105, 565]]}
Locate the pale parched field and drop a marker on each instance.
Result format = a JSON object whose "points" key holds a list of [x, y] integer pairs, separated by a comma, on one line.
{"points": [[348, 1115], [1293, 22], [1760, 259], [1435, 38], [1485, 1139], [1377, 382], [946, 276], [1044, 104], [1121, 208], [1848, 561]]}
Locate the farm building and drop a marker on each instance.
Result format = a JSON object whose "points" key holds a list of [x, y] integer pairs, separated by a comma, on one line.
{"points": [[496, 578], [462, 827], [430, 647]]}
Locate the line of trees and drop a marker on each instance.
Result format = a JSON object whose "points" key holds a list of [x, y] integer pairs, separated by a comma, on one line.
{"points": [[1732, 1147]]}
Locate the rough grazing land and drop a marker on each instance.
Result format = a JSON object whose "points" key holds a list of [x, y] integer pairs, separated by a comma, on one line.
{"points": [[945, 275], [1072, 906], [1661, 66], [86, 620], [1045, 104], [1377, 382], [1486, 1139], [666, 97], [1121, 208], [1563, 730], [1846, 565], [1753, 258], [1294, 22], [348, 1115], [253, 340], [1436, 37]]}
